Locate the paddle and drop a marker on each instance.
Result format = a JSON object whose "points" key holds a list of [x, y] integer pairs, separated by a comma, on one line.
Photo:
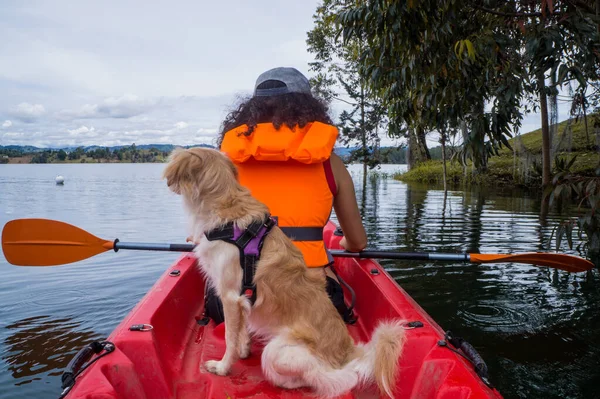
{"points": [[44, 242]]}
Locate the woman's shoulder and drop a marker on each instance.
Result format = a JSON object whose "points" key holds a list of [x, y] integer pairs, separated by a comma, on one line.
{"points": [[336, 163], [339, 171]]}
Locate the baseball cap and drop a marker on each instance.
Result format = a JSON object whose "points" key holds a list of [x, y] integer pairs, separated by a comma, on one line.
{"points": [[294, 82]]}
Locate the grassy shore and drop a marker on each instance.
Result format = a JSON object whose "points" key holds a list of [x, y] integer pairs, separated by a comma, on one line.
{"points": [[522, 167]]}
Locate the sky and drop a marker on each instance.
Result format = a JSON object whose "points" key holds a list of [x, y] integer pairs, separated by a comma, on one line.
{"points": [[121, 72]]}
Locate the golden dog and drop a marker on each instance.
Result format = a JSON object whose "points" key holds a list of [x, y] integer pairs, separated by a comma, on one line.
{"points": [[307, 342]]}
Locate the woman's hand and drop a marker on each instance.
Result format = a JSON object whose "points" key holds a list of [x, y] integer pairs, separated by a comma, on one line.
{"points": [[344, 244]]}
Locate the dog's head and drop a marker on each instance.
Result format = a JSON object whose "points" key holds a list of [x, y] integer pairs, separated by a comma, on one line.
{"points": [[200, 173]]}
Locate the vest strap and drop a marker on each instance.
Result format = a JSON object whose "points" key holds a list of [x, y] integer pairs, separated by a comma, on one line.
{"points": [[303, 233]]}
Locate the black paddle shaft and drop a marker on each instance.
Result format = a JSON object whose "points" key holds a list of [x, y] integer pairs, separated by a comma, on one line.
{"points": [[401, 255], [336, 253]]}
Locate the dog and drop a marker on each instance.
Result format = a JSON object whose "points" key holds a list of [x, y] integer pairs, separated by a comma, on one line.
{"points": [[307, 342]]}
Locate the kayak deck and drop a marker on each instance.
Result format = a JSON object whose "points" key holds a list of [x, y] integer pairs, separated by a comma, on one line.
{"points": [[167, 361]]}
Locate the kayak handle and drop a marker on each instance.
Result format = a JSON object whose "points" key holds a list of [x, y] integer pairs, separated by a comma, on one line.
{"points": [[471, 354], [78, 363]]}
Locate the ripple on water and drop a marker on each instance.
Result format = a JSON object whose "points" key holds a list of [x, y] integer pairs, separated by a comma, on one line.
{"points": [[495, 317], [54, 298]]}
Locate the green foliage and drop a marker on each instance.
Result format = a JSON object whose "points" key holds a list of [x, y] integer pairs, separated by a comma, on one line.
{"points": [[562, 165], [336, 67], [133, 153], [581, 161], [77, 154], [11, 152], [431, 172], [393, 155], [42, 157], [585, 191], [439, 63]]}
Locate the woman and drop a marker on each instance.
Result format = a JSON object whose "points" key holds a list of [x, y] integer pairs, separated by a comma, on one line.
{"points": [[281, 140]]}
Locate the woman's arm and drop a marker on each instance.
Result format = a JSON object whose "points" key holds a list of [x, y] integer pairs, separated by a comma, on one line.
{"points": [[346, 208]]}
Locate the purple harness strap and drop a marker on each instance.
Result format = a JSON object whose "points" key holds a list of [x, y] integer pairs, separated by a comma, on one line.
{"points": [[249, 242], [255, 244]]}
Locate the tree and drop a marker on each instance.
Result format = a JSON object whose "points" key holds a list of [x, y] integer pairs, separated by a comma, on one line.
{"points": [[469, 62], [360, 125], [78, 153], [561, 43], [336, 67], [437, 62], [41, 157], [62, 155]]}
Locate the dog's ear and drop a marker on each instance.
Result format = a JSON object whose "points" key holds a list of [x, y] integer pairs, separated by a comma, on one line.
{"points": [[181, 169]]}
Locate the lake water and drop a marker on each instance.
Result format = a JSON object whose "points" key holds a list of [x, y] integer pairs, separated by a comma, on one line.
{"points": [[538, 329]]}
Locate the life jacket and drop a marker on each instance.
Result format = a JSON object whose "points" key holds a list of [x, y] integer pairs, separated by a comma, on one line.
{"points": [[289, 171]]}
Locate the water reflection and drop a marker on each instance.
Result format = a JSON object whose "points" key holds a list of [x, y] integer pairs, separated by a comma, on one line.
{"points": [[536, 327], [41, 345]]}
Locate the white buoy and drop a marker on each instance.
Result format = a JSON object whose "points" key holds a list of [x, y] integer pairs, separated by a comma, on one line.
{"points": [[60, 180]]}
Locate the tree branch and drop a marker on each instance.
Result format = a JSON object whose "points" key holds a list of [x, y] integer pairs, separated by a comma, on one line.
{"points": [[515, 14], [339, 99]]}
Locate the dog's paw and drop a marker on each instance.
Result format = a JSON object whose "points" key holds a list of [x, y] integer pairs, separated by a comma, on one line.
{"points": [[216, 367]]}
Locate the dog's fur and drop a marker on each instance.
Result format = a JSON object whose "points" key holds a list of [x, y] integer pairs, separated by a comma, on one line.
{"points": [[307, 342]]}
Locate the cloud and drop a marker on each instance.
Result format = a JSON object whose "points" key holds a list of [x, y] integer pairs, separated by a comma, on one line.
{"points": [[82, 129], [181, 125], [7, 123], [124, 107], [12, 135], [27, 112], [204, 131]]}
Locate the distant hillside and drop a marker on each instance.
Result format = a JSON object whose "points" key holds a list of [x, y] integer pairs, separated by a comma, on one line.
{"points": [[343, 152], [145, 153], [140, 153], [21, 148], [159, 147]]}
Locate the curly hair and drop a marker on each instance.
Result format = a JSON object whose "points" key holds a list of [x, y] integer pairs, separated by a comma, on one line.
{"points": [[292, 109]]}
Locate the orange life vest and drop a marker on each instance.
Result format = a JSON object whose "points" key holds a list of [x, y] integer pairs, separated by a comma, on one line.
{"points": [[289, 171]]}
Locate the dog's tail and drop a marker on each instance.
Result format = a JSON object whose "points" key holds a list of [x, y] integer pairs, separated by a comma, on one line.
{"points": [[375, 361], [379, 358]]}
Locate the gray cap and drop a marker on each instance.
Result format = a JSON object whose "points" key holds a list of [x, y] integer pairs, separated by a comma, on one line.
{"points": [[294, 80]]}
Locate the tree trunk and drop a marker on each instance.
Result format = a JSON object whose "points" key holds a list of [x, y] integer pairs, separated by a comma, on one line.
{"points": [[363, 130], [443, 142], [546, 145], [416, 154], [587, 135], [363, 197], [409, 149], [423, 143], [463, 128]]}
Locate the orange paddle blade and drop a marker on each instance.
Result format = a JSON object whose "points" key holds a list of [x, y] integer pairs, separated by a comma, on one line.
{"points": [[44, 242], [558, 261]]}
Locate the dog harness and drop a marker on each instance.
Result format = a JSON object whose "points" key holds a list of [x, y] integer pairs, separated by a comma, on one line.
{"points": [[249, 242]]}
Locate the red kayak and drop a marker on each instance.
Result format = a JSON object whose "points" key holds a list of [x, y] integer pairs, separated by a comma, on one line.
{"points": [[157, 350]]}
